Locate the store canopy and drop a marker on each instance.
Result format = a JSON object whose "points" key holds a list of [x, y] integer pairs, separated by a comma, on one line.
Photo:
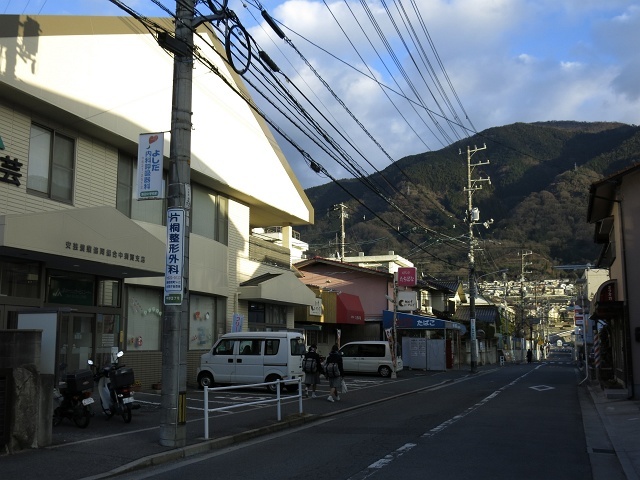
{"points": [[100, 240], [408, 321], [349, 309], [279, 288], [605, 304]]}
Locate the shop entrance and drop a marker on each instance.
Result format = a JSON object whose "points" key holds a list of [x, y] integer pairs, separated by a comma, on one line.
{"points": [[75, 340]]}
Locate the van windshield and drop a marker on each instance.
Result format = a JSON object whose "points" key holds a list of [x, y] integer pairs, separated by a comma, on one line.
{"points": [[225, 347]]}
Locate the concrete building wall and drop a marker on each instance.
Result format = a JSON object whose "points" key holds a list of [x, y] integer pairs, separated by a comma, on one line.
{"points": [[96, 167], [628, 268]]}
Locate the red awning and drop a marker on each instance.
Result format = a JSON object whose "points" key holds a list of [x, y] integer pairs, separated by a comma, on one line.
{"points": [[349, 309]]}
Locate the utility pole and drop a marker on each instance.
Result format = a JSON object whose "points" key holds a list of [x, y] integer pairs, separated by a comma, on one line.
{"points": [[523, 264], [473, 218], [173, 421], [505, 329], [343, 215]]}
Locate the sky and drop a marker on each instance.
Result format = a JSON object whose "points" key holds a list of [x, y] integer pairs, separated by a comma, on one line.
{"points": [[427, 72]]}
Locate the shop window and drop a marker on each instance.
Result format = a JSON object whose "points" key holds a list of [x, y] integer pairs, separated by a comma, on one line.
{"points": [[70, 288], [51, 164], [144, 318], [205, 324], [19, 279], [107, 335], [319, 337]]}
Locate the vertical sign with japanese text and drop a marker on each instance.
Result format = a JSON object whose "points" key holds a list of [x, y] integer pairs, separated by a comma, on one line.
{"points": [[173, 277], [150, 158]]}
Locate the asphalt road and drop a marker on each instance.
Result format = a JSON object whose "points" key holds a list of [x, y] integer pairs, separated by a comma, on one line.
{"points": [[522, 422]]}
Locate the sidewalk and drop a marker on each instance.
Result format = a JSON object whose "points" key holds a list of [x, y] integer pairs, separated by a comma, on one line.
{"points": [[620, 418], [107, 448]]}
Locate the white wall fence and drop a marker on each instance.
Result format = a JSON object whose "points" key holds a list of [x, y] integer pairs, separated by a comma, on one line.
{"points": [[277, 400]]}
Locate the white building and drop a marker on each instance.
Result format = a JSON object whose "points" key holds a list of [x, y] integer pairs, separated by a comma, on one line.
{"points": [[75, 94]]}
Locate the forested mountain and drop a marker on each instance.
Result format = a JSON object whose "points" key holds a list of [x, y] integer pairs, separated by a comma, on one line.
{"points": [[540, 174]]}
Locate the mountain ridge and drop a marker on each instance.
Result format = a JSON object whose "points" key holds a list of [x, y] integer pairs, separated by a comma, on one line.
{"points": [[539, 172]]}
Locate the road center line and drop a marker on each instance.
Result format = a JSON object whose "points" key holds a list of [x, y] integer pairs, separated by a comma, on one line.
{"points": [[484, 401]]}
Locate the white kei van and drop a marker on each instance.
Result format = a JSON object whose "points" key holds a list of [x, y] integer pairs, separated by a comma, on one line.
{"points": [[253, 357], [369, 357]]}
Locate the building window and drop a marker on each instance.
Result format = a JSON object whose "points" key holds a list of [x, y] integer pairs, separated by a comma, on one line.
{"points": [[267, 317], [19, 279], [209, 214], [51, 164], [124, 194], [70, 288], [109, 292], [152, 211]]}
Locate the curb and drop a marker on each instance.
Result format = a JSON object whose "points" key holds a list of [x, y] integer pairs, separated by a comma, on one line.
{"points": [[294, 420], [206, 446]]}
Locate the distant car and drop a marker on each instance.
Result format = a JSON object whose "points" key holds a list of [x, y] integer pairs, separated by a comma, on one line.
{"points": [[369, 357]]}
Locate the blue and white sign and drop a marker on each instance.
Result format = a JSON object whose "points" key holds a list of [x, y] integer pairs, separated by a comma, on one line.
{"points": [[173, 276], [150, 158]]}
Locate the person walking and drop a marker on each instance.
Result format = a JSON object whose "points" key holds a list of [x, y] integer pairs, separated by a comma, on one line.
{"points": [[529, 355], [311, 365], [334, 371]]}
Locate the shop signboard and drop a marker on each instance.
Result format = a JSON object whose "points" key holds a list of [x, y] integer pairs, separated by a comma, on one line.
{"points": [[150, 160], [174, 275]]}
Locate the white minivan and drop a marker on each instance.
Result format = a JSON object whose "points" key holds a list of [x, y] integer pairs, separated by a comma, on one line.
{"points": [[253, 357], [369, 357]]}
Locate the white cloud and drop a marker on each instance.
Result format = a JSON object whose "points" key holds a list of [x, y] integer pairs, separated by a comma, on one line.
{"points": [[508, 60]]}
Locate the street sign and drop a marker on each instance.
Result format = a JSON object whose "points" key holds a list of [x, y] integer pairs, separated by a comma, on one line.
{"points": [[173, 277]]}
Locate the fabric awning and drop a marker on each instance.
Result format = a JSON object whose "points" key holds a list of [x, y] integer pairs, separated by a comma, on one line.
{"points": [[605, 304], [349, 309], [279, 288]]}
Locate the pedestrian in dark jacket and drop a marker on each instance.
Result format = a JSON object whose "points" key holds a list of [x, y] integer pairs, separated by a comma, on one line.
{"points": [[335, 381], [529, 355], [312, 366]]}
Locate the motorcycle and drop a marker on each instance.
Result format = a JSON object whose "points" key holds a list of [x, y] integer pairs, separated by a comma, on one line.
{"points": [[73, 396], [115, 388]]}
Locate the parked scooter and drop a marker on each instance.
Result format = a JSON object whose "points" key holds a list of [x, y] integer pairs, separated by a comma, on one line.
{"points": [[73, 397], [115, 388]]}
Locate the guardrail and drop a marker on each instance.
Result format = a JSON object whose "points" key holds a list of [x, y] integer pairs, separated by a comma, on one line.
{"points": [[277, 400]]}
